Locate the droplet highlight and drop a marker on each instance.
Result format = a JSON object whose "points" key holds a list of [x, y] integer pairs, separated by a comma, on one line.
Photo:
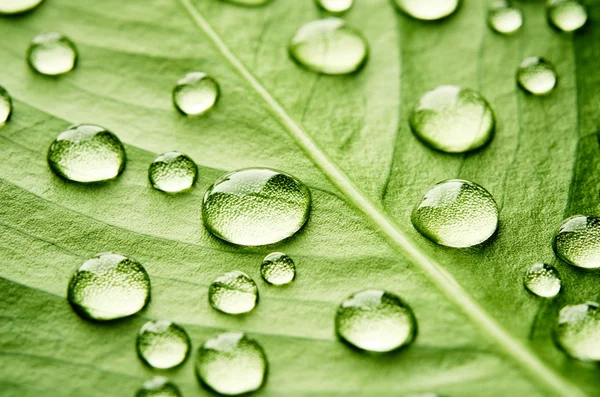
{"points": [[566, 15], [278, 269], [542, 280], [173, 172], [11, 7], [578, 331], [5, 105], [578, 241], [158, 387], [52, 54], [504, 18], [537, 76], [335, 6], [195, 94], [428, 10], [233, 293], [162, 344]]}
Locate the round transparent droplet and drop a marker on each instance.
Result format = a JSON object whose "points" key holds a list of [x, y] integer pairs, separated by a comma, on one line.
{"points": [[456, 213], [231, 364], [542, 280], [567, 15], [504, 18], [453, 119], [173, 172], [196, 93], [278, 269], [428, 10], [162, 344], [256, 206], [578, 331], [10, 7], [375, 321], [248, 2], [233, 293], [537, 76], [158, 387], [5, 105], [52, 54], [578, 241], [329, 46], [87, 153], [335, 6], [108, 287]]}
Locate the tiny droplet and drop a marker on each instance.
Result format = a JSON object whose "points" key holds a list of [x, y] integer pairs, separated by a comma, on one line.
{"points": [[158, 387], [542, 280], [578, 331], [537, 76], [249, 2], [11, 7], [233, 293], [428, 10], [335, 6], [162, 344], [504, 18], [195, 94], [566, 15], [278, 269], [173, 172], [578, 241], [5, 105], [52, 54]]}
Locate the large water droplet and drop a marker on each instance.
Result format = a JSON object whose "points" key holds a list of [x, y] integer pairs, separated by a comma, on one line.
{"points": [[163, 344], [376, 321], [158, 387], [456, 213], [335, 6], [542, 280], [5, 105], [233, 293], [453, 119], [52, 54], [504, 18], [231, 364], [578, 241], [109, 286], [249, 2], [428, 10], [173, 172], [578, 331], [567, 15], [278, 269], [196, 93], [537, 76], [329, 46], [87, 153], [255, 206], [9, 7]]}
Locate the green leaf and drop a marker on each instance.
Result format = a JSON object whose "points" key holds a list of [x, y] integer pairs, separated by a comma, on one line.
{"points": [[480, 332]]}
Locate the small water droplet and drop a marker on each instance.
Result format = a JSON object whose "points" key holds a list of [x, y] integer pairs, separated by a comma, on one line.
{"points": [[456, 213], [427, 395], [52, 54], [248, 2], [504, 18], [10, 7], [578, 331], [173, 172], [578, 241], [542, 280], [335, 6], [5, 105], [278, 269], [537, 76], [329, 46], [453, 119], [233, 293], [195, 94], [163, 344], [231, 364], [566, 15], [158, 387], [256, 206], [376, 321], [87, 153], [428, 10], [108, 287]]}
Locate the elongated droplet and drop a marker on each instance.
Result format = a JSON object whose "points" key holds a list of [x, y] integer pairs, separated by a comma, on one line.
{"points": [[542, 280], [163, 344], [578, 331], [87, 153], [427, 395], [108, 287], [566, 15], [158, 387], [52, 54], [453, 119], [335, 6], [504, 18], [196, 93], [278, 269], [428, 10], [256, 206], [173, 172], [10, 7], [578, 241], [5, 105], [456, 213], [537, 76], [231, 364], [233, 293], [329, 46], [249, 2]]}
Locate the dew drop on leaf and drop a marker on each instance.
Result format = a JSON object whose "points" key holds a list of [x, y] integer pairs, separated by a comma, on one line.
{"points": [[5, 105], [335, 6], [52, 54], [566, 15], [162, 344], [537, 76], [504, 18], [578, 331], [578, 241], [173, 172], [278, 269], [195, 94], [10, 7], [542, 280], [249, 2], [428, 10], [233, 293], [158, 387]]}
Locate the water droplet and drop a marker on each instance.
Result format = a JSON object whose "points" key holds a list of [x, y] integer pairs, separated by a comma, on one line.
{"points": [[278, 269], [108, 287], [163, 344], [52, 54], [578, 241], [453, 119], [456, 213], [542, 280], [249, 2], [231, 364], [5, 105], [233, 293], [87, 153], [428, 10], [376, 321], [10, 7], [427, 395], [578, 331], [335, 6], [158, 387], [566, 15], [196, 93], [537, 76], [329, 46], [173, 172], [256, 206], [504, 18]]}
